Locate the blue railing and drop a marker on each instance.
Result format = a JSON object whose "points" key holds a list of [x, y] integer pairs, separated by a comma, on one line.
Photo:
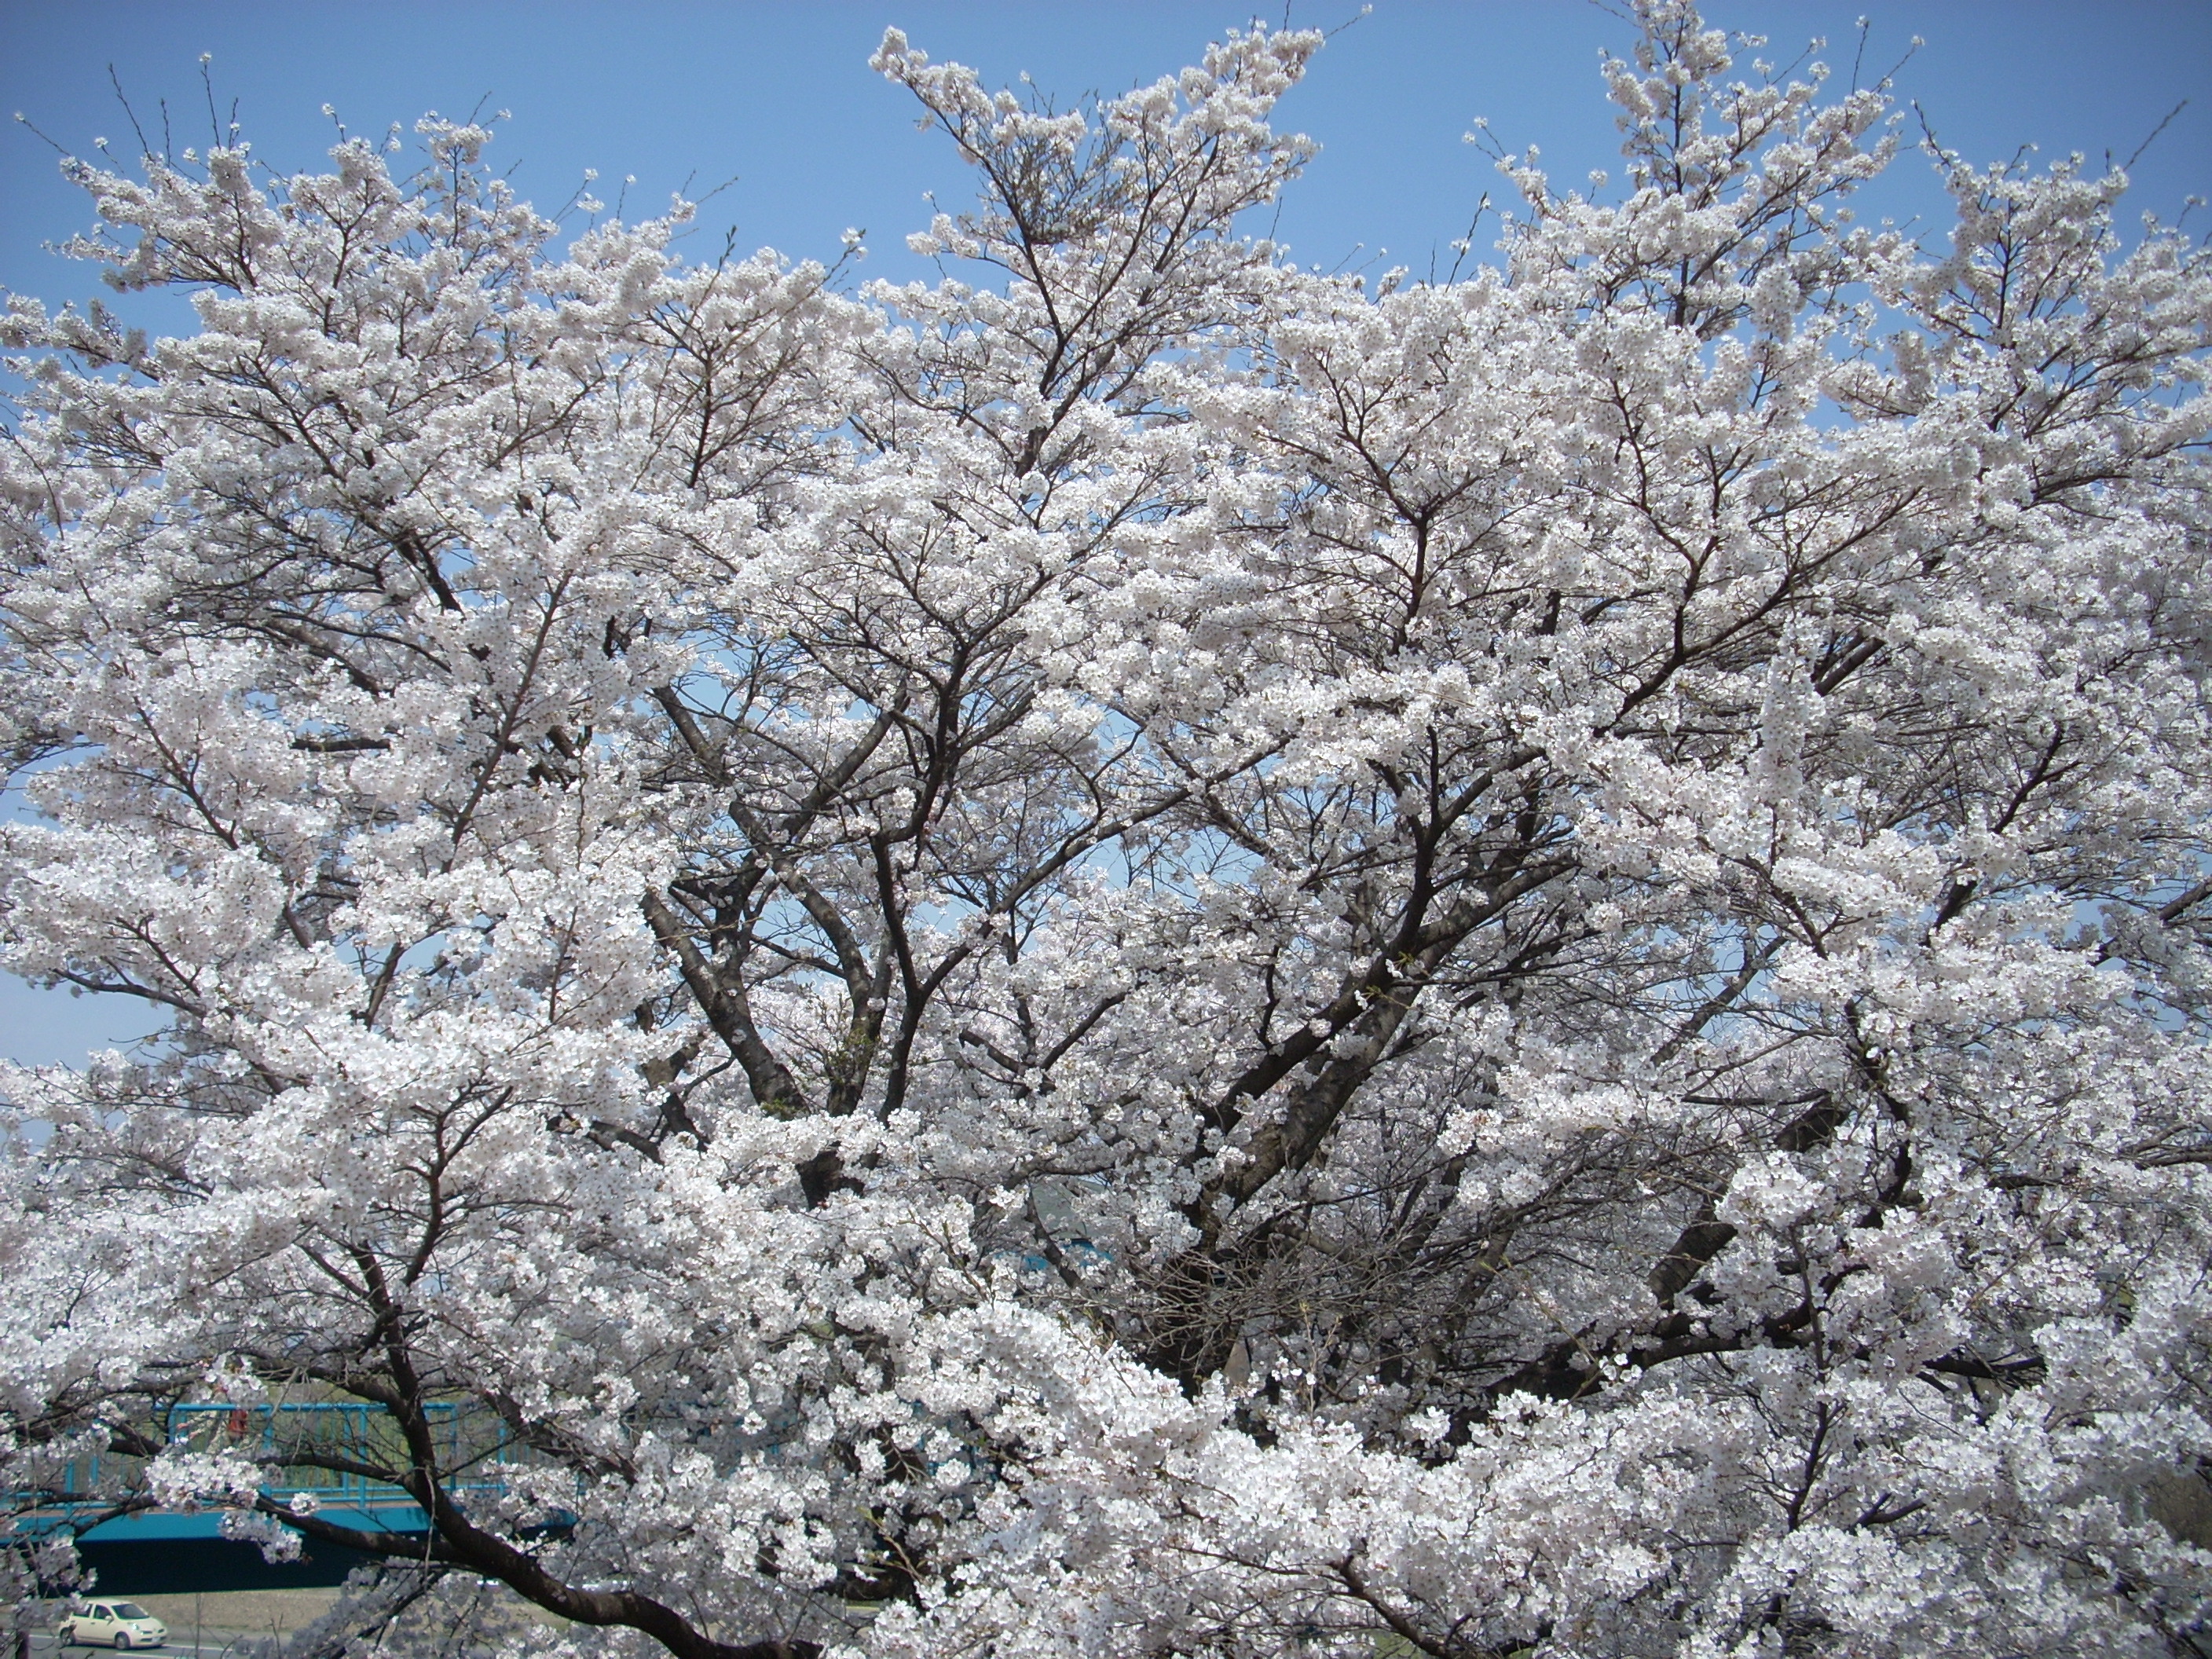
{"points": [[472, 1444]]}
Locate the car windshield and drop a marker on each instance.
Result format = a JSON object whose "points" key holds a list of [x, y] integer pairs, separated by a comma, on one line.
{"points": [[130, 1610]]}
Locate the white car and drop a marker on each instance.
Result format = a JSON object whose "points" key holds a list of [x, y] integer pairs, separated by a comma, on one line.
{"points": [[118, 1624]]}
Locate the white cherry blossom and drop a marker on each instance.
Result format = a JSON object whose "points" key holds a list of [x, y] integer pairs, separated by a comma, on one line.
{"points": [[1138, 952]]}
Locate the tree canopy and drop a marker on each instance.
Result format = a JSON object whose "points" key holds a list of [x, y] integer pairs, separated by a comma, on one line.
{"points": [[1140, 951]]}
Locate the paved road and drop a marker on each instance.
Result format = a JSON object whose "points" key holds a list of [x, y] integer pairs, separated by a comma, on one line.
{"points": [[212, 1645]]}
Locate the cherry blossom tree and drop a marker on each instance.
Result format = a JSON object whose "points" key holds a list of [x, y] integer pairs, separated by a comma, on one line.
{"points": [[1139, 952]]}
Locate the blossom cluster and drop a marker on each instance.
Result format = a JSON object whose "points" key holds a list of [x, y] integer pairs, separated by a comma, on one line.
{"points": [[1136, 953]]}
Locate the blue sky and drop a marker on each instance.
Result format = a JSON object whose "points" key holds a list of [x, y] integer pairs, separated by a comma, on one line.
{"points": [[778, 98]]}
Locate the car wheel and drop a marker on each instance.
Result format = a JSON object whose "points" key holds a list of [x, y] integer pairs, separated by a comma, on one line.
{"points": [[122, 1641]]}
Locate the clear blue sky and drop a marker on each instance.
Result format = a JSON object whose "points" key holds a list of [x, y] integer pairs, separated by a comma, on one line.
{"points": [[780, 96]]}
